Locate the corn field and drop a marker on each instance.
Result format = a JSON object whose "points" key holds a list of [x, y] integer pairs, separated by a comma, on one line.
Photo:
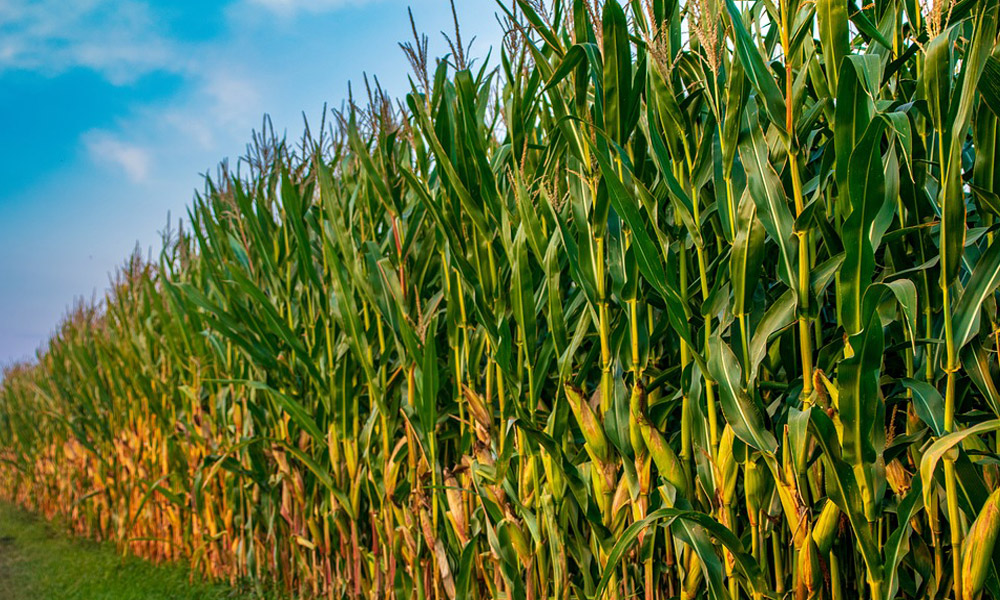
{"points": [[660, 300]]}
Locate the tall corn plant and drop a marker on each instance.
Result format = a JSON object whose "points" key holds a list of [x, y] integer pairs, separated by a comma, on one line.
{"points": [[676, 300]]}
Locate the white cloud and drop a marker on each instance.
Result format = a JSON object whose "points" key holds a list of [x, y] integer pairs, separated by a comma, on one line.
{"points": [[122, 40], [231, 97], [293, 7], [214, 111], [105, 148], [118, 39]]}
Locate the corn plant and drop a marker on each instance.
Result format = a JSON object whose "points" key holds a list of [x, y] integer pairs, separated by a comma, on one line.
{"points": [[675, 300]]}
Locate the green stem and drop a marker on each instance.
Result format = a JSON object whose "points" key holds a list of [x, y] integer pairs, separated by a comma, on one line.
{"points": [[603, 325], [779, 572]]}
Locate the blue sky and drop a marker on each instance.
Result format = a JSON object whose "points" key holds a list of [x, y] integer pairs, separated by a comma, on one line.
{"points": [[113, 108]]}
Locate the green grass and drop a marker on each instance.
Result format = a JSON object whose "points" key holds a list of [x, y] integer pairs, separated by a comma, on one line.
{"points": [[38, 563]]}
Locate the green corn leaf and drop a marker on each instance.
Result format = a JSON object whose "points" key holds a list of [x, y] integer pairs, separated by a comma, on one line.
{"points": [[539, 25], [668, 517], [858, 385], [898, 544], [867, 195], [973, 65], [843, 490], [976, 363], [983, 282], [833, 36], [937, 450], [522, 286], [747, 256], [854, 112], [768, 193], [617, 72], [779, 315], [757, 72], [989, 84], [928, 403], [743, 412], [936, 80], [864, 24]]}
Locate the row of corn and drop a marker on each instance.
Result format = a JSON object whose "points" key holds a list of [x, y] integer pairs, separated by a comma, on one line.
{"points": [[663, 300]]}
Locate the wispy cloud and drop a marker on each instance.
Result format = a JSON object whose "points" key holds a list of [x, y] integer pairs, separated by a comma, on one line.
{"points": [[294, 7], [123, 40], [119, 39], [133, 160]]}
